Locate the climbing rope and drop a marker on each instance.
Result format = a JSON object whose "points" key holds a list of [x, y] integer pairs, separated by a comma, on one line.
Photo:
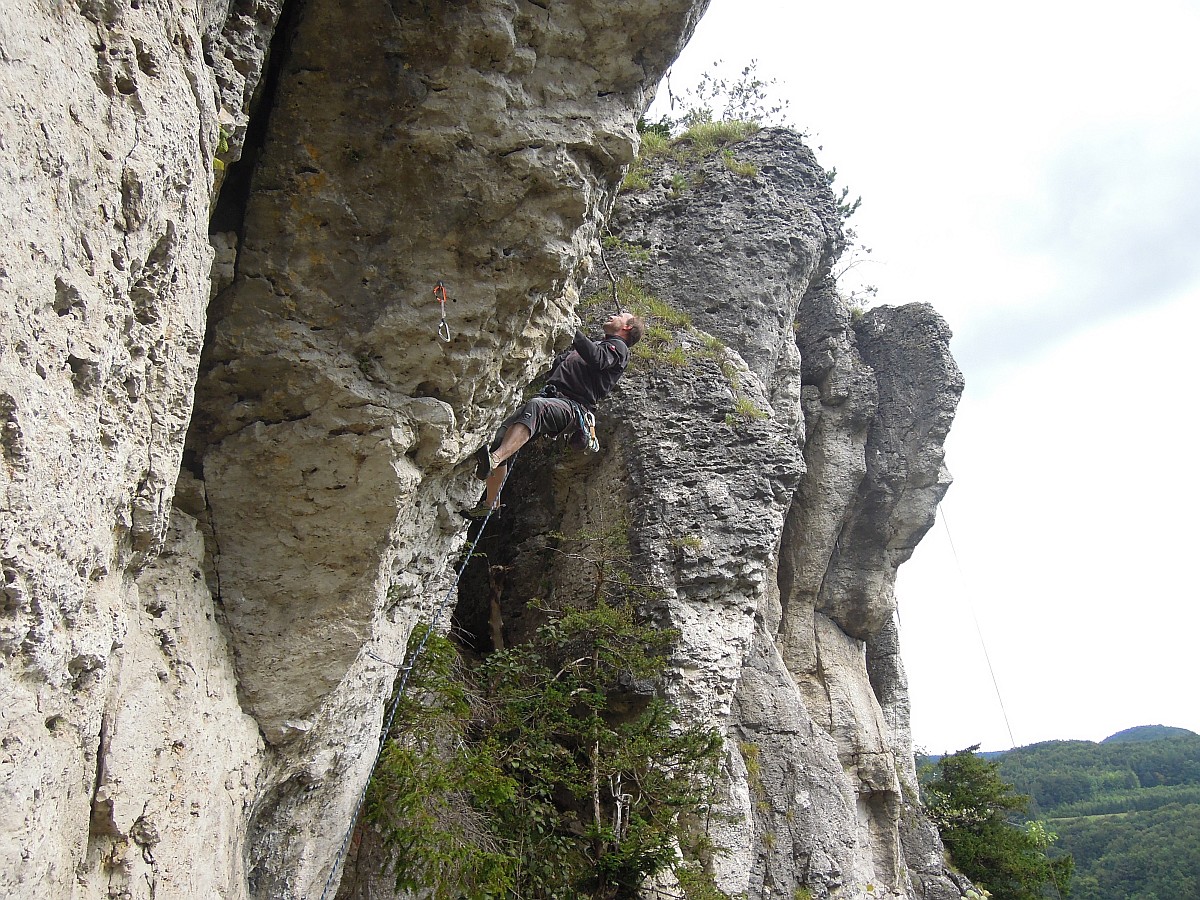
{"points": [[978, 628], [405, 671], [611, 277], [439, 292]]}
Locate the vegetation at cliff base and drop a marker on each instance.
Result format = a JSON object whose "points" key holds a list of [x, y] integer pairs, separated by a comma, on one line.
{"points": [[976, 811], [547, 770]]}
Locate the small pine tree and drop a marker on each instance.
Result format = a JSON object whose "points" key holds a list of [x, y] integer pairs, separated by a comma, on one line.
{"points": [[974, 812], [522, 778]]}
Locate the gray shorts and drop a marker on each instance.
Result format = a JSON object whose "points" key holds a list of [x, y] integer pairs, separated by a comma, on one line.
{"points": [[541, 415]]}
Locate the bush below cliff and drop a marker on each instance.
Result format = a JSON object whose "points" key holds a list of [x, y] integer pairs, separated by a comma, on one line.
{"points": [[539, 773]]}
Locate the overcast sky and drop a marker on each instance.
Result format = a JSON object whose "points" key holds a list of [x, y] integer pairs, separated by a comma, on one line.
{"points": [[1033, 171]]}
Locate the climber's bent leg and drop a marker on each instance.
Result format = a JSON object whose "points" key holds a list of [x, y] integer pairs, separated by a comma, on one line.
{"points": [[541, 415], [516, 436]]}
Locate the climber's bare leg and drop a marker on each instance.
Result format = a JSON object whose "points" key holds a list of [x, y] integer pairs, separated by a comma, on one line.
{"points": [[515, 437]]}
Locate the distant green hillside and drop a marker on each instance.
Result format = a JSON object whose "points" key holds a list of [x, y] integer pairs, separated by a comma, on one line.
{"points": [[1127, 809], [1146, 733]]}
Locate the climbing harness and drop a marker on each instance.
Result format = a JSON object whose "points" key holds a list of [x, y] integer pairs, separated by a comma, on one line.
{"points": [[439, 292], [583, 437], [405, 671]]}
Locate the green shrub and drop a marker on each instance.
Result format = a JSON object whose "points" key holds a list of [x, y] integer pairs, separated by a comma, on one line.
{"points": [[705, 138], [745, 97], [654, 143], [222, 147], [744, 407], [518, 778], [971, 806], [688, 541], [737, 166], [632, 251], [697, 884], [701, 139], [650, 307], [637, 178]]}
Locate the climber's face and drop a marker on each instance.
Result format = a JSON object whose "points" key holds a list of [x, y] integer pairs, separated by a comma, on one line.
{"points": [[618, 324]]}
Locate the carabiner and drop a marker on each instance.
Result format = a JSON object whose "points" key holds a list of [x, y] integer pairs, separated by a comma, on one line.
{"points": [[439, 291]]}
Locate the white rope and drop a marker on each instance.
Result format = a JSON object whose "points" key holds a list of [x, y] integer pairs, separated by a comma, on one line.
{"points": [[978, 629]]}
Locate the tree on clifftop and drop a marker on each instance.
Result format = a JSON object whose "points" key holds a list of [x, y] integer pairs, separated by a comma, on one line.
{"points": [[974, 811]]}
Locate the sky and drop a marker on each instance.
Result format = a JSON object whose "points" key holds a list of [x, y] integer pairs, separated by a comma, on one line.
{"points": [[1032, 169]]}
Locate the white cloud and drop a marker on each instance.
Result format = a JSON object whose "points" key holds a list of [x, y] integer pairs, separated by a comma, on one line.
{"points": [[1074, 519]]}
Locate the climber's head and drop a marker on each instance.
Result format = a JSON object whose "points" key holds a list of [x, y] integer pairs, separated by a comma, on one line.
{"points": [[626, 326]]}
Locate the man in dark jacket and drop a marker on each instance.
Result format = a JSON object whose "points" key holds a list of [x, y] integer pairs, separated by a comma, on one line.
{"points": [[582, 376]]}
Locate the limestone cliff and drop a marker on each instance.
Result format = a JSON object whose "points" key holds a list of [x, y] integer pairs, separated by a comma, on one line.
{"points": [[772, 488], [226, 503]]}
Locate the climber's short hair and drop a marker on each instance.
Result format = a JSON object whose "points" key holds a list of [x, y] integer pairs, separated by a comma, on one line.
{"points": [[636, 329]]}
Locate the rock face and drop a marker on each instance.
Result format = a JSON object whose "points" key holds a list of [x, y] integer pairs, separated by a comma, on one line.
{"points": [[775, 484], [163, 696], [124, 746], [227, 501]]}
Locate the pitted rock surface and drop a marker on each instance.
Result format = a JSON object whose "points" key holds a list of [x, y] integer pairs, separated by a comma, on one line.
{"points": [[806, 622], [779, 228], [109, 124], [388, 146], [448, 144], [207, 681]]}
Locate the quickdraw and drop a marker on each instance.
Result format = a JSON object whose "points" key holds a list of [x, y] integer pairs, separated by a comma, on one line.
{"points": [[587, 426], [439, 292], [611, 277], [584, 435]]}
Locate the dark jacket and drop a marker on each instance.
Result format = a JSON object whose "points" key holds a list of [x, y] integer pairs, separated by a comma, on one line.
{"points": [[588, 371]]}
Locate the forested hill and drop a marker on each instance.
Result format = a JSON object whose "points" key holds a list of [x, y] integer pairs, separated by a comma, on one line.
{"points": [[1146, 733], [1127, 809], [1081, 778]]}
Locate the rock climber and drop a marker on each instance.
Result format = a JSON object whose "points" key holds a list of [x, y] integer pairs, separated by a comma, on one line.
{"points": [[580, 377]]}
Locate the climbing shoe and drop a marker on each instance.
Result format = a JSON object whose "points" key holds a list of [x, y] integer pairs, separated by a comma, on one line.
{"points": [[483, 463], [481, 511]]}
